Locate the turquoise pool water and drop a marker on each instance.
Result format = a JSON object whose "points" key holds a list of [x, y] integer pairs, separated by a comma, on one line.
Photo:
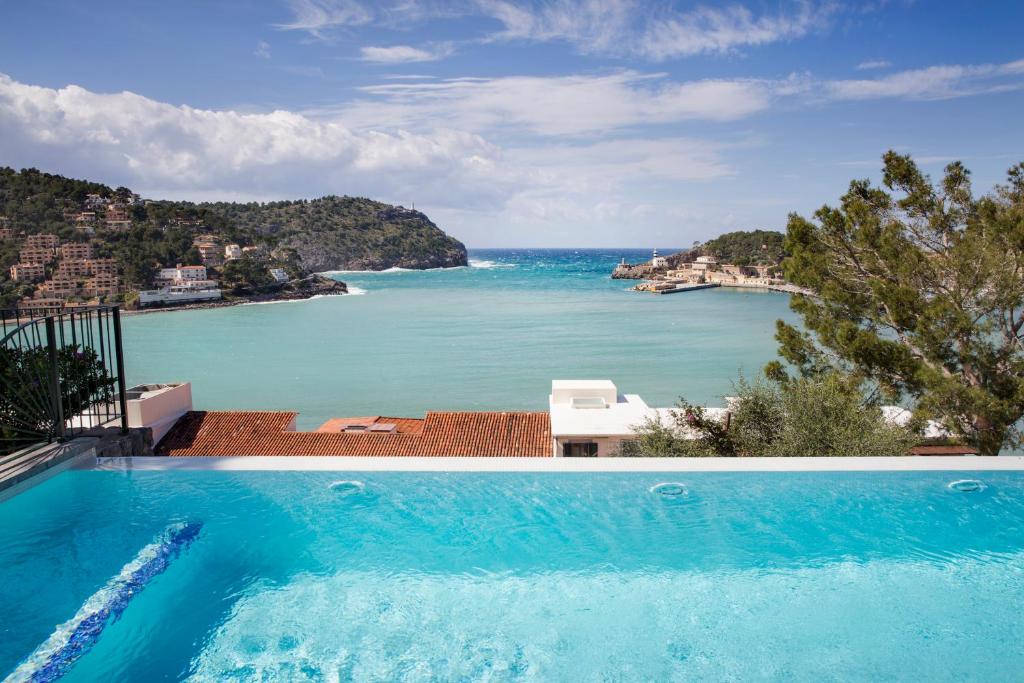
{"points": [[488, 337], [527, 577]]}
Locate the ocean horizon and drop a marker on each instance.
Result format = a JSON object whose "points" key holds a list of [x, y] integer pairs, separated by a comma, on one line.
{"points": [[487, 336]]}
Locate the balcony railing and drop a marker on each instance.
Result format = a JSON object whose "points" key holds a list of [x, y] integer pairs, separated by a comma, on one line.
{"points": [[61, 375]]}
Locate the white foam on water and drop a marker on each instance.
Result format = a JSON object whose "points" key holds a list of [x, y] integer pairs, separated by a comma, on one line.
{"points": [[346, 486], [387, 271], [299, 301], [484, 263], [966, 486], [669, 488]]}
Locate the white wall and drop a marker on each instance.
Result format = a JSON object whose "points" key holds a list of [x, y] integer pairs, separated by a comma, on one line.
{"points": [[160, 409]]}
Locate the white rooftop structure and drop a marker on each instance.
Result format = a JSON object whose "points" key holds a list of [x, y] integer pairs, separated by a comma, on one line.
{"points": [[589, 417], [592, 407]]}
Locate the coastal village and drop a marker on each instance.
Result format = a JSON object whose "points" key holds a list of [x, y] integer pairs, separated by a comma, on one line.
{"points": [[64, 274], [67, 243], [700, 268]]}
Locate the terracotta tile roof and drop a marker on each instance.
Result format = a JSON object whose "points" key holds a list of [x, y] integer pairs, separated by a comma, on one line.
{"points": [[238, 433], [402, 425], [944, 450]]}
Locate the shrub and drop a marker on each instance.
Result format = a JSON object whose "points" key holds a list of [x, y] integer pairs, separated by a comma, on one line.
{"points": [[826, 415]]}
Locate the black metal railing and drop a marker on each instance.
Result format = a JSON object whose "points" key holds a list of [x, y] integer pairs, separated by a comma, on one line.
{"points": [[61, 374]]}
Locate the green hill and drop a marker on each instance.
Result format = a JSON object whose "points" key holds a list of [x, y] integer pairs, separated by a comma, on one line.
{"points": [[330, 233], [744, 247]]}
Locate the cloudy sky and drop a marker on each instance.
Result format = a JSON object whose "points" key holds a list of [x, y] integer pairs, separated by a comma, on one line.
{"points": [[545, 123]]}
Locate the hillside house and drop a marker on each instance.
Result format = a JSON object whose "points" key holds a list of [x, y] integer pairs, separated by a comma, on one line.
{"points": [[76, 250], [28, 272], [102, 284], [71, 269], [42, 241], [59, 287], [39, 255], [99, 266]]}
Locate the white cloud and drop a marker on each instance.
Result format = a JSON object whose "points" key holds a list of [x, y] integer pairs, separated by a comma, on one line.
{"points": [[932, 83], [402, 54], [130, 138], [582, 104], [557, 153], [320, 17], [262, 49], [628, 27], [181, 151], [719, 30], [616, 27], [317, 16], [874, 64]]}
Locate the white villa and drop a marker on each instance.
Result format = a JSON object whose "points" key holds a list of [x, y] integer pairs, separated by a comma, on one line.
{"points": [[589, 417]]}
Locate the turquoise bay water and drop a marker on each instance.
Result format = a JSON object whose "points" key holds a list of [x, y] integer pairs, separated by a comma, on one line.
{"points": [[487, 337], [527, 577]]}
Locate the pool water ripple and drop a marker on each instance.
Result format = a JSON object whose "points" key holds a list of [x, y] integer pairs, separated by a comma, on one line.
{"points": [[799, 576]]}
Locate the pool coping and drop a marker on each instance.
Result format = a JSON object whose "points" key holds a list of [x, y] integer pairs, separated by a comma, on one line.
{"points": [[512, 464]]}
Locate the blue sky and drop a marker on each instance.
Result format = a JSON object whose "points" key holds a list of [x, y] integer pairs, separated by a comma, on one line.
{"points": [[546, 123]]}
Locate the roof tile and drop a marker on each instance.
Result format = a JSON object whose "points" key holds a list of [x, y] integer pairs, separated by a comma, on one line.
{"points": [[240, 433]]}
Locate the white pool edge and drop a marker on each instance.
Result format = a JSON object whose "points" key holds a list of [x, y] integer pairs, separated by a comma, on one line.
{"points": [[496, 464]]}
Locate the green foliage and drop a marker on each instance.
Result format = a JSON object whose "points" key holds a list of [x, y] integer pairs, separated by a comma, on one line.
{"points": [[353, 230], [815, 416], [25, 414], [745, 248], [245, 275], [35, 201], [920, 294], [310, 235]]}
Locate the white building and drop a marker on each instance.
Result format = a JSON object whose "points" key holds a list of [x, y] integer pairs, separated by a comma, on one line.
{"points": [[232, 251], [658, 261], [178, 294], [167, 275], [191, 273], [705, 263], [279, 275], [182, 275], [591, 418]]}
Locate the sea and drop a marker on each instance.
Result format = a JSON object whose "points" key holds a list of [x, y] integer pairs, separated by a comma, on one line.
{"points": [[488, 336]]}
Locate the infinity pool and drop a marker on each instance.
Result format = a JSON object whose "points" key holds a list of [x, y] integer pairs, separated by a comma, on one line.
{"points": [[315, 576]]}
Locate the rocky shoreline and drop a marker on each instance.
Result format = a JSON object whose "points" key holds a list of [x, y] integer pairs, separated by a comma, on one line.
{"points": [[296, 290]]}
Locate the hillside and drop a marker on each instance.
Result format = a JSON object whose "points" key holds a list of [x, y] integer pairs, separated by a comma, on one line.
{"points": [[744, 248], [345, 233], [302, 236]]}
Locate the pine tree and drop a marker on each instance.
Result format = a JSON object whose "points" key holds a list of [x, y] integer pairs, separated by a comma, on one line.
{"points": [[919, 295]]}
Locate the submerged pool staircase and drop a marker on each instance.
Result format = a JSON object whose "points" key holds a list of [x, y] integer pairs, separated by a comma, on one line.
{"points": [[72, 639]]}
